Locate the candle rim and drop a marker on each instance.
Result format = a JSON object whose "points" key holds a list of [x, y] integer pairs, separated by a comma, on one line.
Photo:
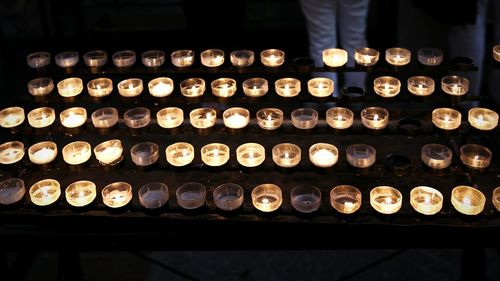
{"points": [[13, 109], [10, 144], [50, 112], [69, 146], [54, 184], [89, 185]]}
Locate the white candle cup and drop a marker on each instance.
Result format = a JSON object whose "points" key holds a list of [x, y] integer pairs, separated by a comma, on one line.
{"points": [[346, 199], [426, 200], [41, 117], [272, 57], [250, 154], [180, 154], [436, 156], [81, 193], [67, 59], [182, 58], [496, 53], [45, 192], [212, 57], [77, 152], [339, 118], [467, 200], [455, 85], [366, 56], [138, 117], [117, 194], [320, 87], [39, 87], [223, 87], [109, 152], [145, 153], [286, 155], [12, 190], [11, 117], [70, 87], [323, 155], [287, 87], [96, 58], [215, 154], [153, 195], [475, 156], [236, 117], [104, 118], [73, 117], [267, 197], [430, 56], [242, 58], [398, 56], [228, 196], [192, 87], [255, 87], [124, 58], [38, 59], [375, 118], [386, 86], [170, 117], [386, 199], [446, 118], [42, 152], [482, 118], [421, 85], [130, 87], [100, 87], [270, 118], [153, 58], [361, 155], [335, 57], [203, 118], [305, 198], [496, 198], [11, 152], [191, 195], [161, 87], [304, 118]]}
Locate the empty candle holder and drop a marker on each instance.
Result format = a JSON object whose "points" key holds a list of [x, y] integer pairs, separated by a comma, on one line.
{"points": [[180, 154], [228, 196], [215, 154], [203, 118], [138, 117], [475, 156], [42, 152], [346, 199], [130, 87], [255, 87], [335, 57], [109, 152], [483, 119], [304, 118], [12, 190], [430, 56], [70, 87], [192, 87], [96, 58], [287, 87], [267, 197], [386, 86], [45, 192], [153, 195], [421, 85], [305, 198], [286, 155], [361, 155], [105, 118], [455, 85], [339, 118], [170, 117], [153, 58], [124, 58], [242, 58], [67, 59], [375, 118], [496, 198], [100, 87], [270, 118], [145, 153], [212, 57], [117, 194], [40, 87], [41, 117], [77, 152], [73, 117], [446, 118], [38, 59], [320, 87], [426, 200], [323, 155], [272, 57], [161, 87], [386, 199], [81, 193], [191, 195], [366, 56], [11, 117], [11, 152], [223, 87], [398, 56], [250, 154], [397, 164], [182, 58], [467, 200], [353, 93], [436, 156], [236, 117]]}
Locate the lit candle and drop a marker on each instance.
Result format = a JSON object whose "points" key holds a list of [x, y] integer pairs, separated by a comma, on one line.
{"points": [[287, 87], [100, 87], [236, 117], [67, 59], [11, 117], [335, 57], [70, 87], [250, 154], [42, 152], [475, 156], [161, 87], [180, 154], [483, 118], [339, 117], [109, 152], [73, 117], [242, 58], [255, 87], [215, 154], [467, 200], [153, 58], [304, 118], [130, 87], [398, 56], [153, 195], [286, 155], [96, 58], [80, 193], [496, 53], [375, 118], [77, 152], [455, 85], [12, 190], [267, 197], [446, 118], [203, 118], [436, 156], [496, 198], [320, 87], [421, 85], [366, 56], [270, 118], [138, 117], [45, 192], [182, 58], [212, 57], [11, 152], [426, 200], [41, 117], [346, 199], [361, 155], [228, 196], [272, 57], [193, 87], [145, 153], [40, 86], [223, 87], [117, 194], [124, 58], [170, 117], [385, 199], [38, 59], [386, 86], [323, 155], [106, 117]]}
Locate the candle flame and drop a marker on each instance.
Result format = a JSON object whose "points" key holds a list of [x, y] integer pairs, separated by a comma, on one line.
{"points": [[375, 117], [216, 152], [287, 155], [388, 200], [339, 117], [466, 201], [446, 118]]}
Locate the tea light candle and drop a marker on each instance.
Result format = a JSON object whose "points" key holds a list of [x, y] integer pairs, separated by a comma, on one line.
{"points": [[483, 118], [496, 53], [223, 87], [96, 58], [80, 193], [467, 200], [42, 152], [124, 58], [361, 155], [286, 155], [212, 57], [455, 85], [267, 197], [70, 87], [11, 152], [335, 57], [228, 196], [192, 87], [170, 117], [386, 86], [203, 118], [109, 152], [191, 195], [323, 155], [77, 152], [12, 190], [41, 117], [250, 154], [215, 154], [436, 156], [426, 200], [320, 87], [182, 58], [496, 198], [161, 87], [398, 56], [241, 58], [446, 118], [40, 86], [430, 56], [366, 56], [255, 87], [346, 199], [386, 199], [153, 58], [45, 192], [475, 156], [153, 195], [11, 117], [38, 59], [180, 154], [130, 87], [287, 87], [67, 59], [105, 117], [145, 153], [270, 118], [236, 117], [117, 194], [136, 118], [305, 198], [304, 118], [421, 85], [339, 117], [100, 87], [73, 117], [375, 118], [272, 57]]}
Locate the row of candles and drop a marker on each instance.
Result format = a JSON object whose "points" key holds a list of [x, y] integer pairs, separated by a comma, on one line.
{"points": [[384, 86], [375, 118], [267, 197], [250, 155]]}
